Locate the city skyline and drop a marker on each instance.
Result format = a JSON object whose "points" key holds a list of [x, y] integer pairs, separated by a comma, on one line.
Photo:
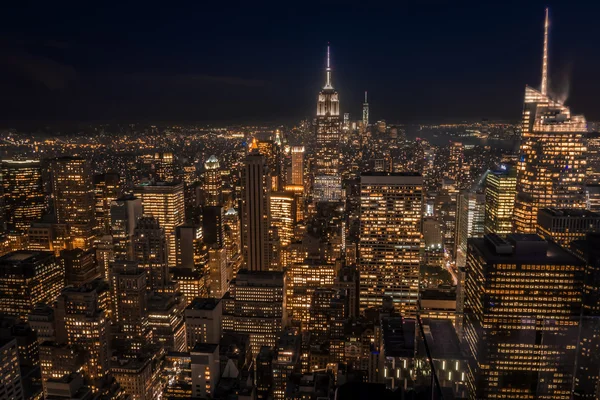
{"points": [[458, 54]]}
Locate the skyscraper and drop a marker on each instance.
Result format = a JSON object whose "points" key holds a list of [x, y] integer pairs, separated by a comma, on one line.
{"points": [[469, 222], [28, 278], [164, 168], [150, 251], [256, 191], [390, 239], [327, 180], [74, 198], [212, 182], [282, 216], [365, 113], [552, 166], [298, 165], [107, 188], [165, 202], [124, 214], [523, 300], [500, 190], [22, 193]]}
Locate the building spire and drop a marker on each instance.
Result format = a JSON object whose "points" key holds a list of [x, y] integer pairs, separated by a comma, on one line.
{"points": [[328, 73], [544, 88], [366, 97]]}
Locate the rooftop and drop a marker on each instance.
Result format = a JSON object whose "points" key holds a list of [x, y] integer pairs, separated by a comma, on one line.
{"points": [[203, 303]]}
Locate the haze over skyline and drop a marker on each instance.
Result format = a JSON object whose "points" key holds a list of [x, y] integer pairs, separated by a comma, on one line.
{"points": [[432, 61]]}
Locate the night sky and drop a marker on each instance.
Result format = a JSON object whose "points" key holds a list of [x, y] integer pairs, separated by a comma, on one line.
{"points": [[226, 61]]}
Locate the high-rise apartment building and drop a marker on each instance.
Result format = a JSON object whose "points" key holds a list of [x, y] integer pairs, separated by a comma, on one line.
{"points": [[256, 193], [22, 193], [390, 239], [28, 278], [523, 300], [327, 179], [212, 182], [73, 195], [552, 166], [165, 202], [500, 191]]}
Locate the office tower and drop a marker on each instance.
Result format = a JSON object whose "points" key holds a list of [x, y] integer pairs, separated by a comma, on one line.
{"points": [[255, 212], [298, 166], [218, 282], [469, 222], [11, 383], [206, 369], [255, 306], [301, 282], [298, 193], [82, 322], [165, 202], [79, 266], [390, 239], [164, 167], [264, 373], [566, 225], [593, 158], [326, 315], [165, 320], [129, 302], [73, 194], [28, 278], [270, 151], [212, 225], [287, 358], [58, 361], [347, 283], [365, 112], [282, 216], [22, 193], [190, 246], [523, 299], [203, 318], [191, 283], [592, 197], [124, 213], [500, 191], [552, 164], [42, 321], [107, 188], [233, 238], [327, 180], [150, 252], [212, 182]]}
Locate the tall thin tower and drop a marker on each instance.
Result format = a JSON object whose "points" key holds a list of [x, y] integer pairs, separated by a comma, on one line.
{"points": [[551, 169], [366, 111], [327, 180]]}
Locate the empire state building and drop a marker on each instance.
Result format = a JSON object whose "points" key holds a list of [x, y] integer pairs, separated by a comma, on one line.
{"points": [[327, 179]]}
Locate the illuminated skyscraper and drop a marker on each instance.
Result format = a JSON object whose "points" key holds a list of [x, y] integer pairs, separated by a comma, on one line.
{"points": [[256, 192], [301, 282], [212, 182], [327, 180], [552, 167], [12, 385], [74, 198], [23, 193], [81, 316], [164, 168], [282, 216], [500, 191], [107, 188], [298, 165], [523, 300], [390, 239], [365, 114], [28, 278], [150, 252], [469, 222], [124, 214], [165, 202]]}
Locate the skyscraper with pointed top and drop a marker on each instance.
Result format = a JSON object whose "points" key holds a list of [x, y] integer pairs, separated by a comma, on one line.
{"points": [[366, 111], [551, 167], [327, 180]]}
